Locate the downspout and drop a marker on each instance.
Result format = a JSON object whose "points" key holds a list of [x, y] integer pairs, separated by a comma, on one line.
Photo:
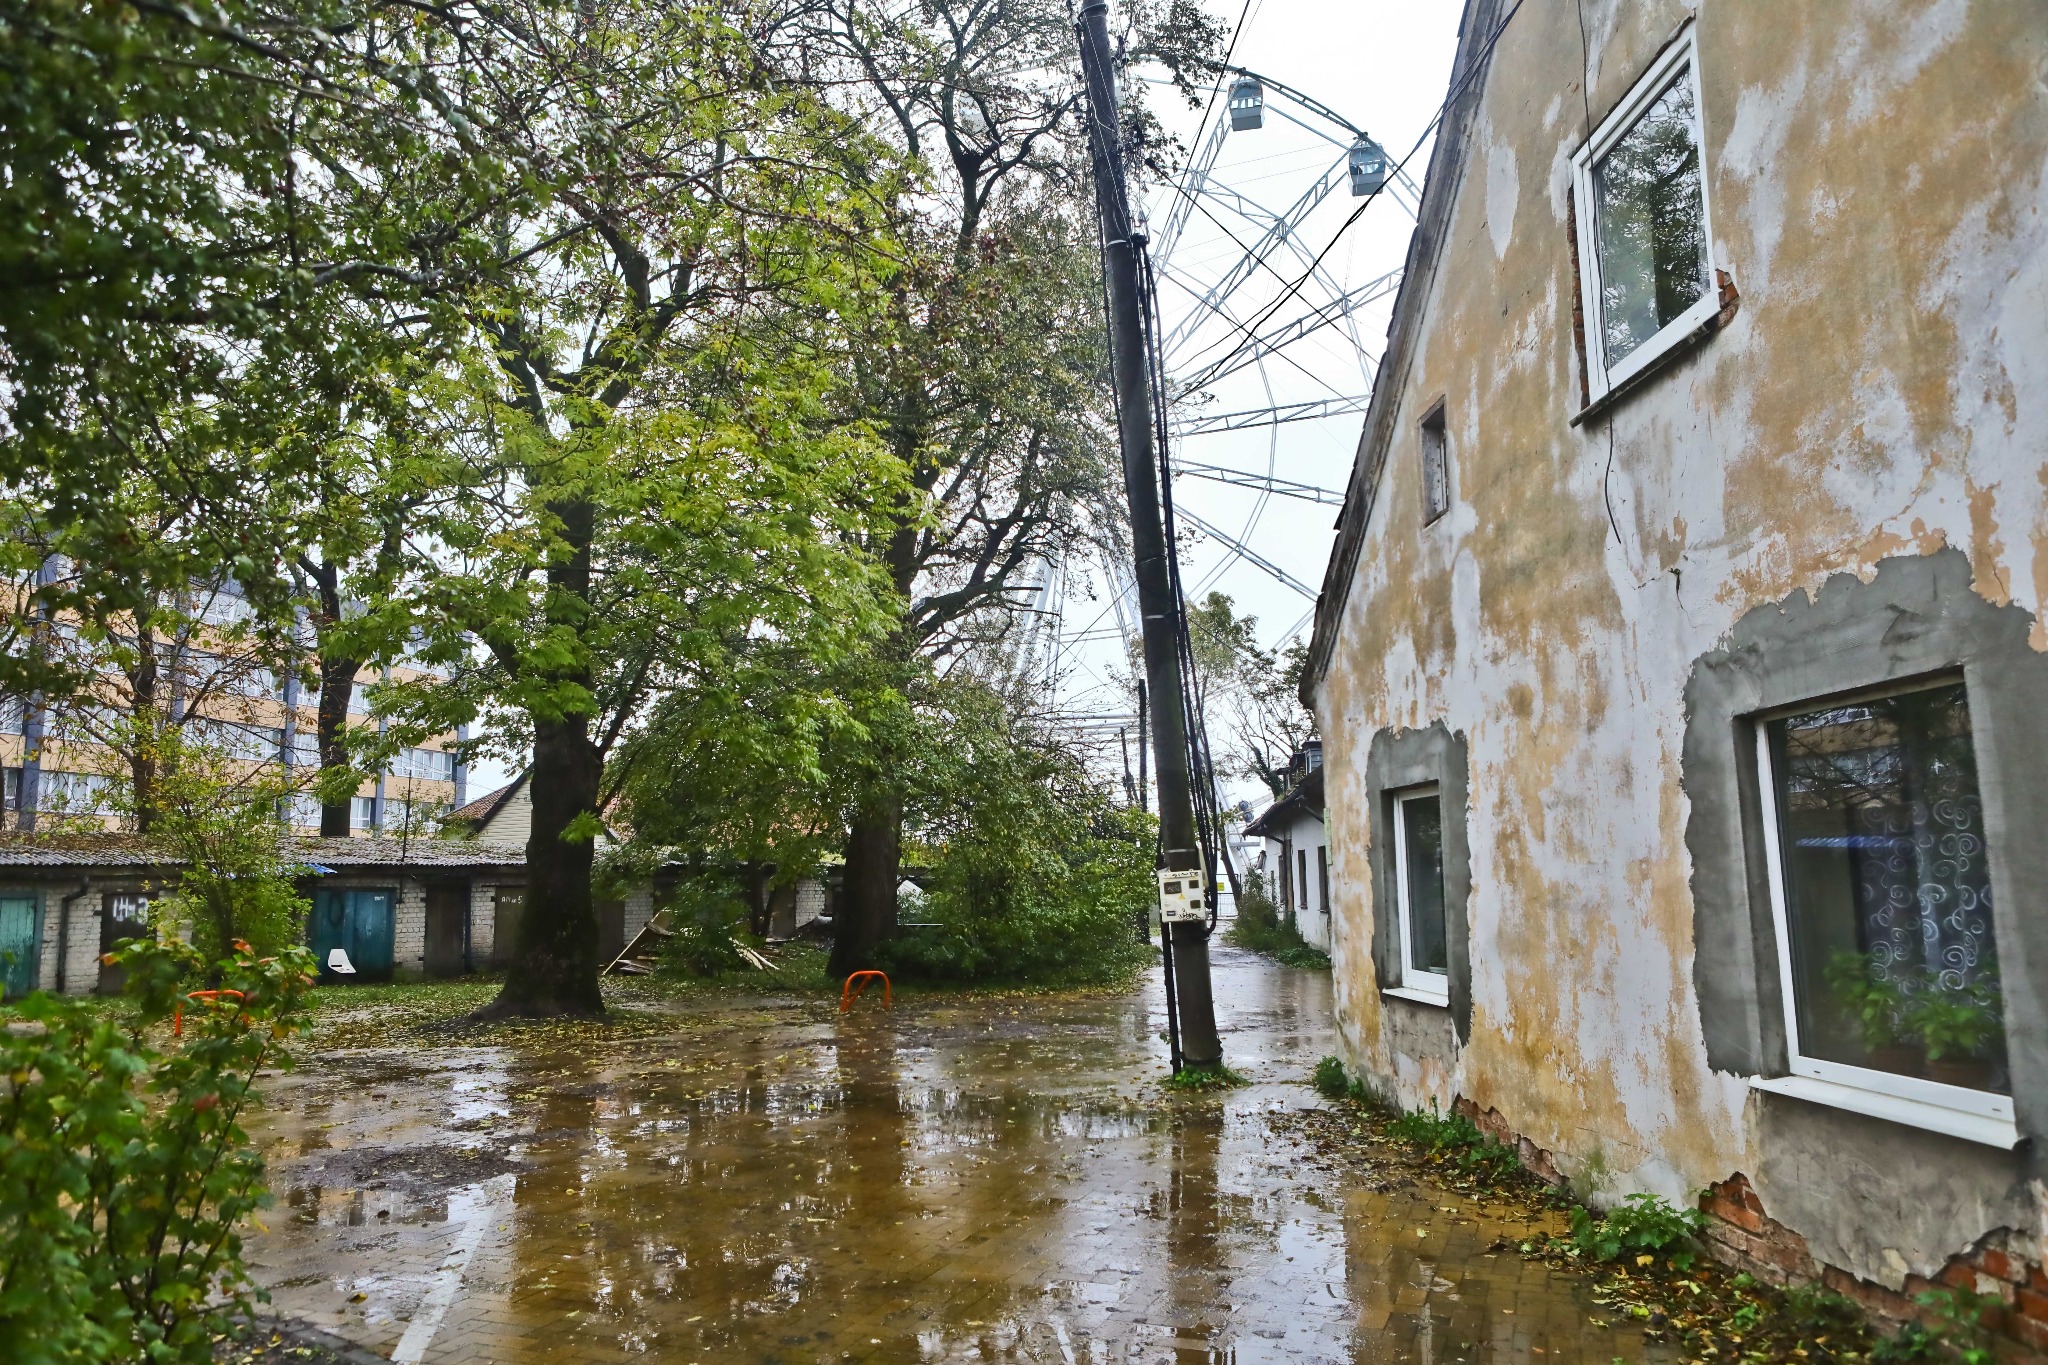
{"points": [[64, 930]]}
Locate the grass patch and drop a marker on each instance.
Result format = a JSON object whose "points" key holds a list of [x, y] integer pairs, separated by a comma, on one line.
{"points": [[1644, 1258], [1455, 1142], [1200, 1080]]}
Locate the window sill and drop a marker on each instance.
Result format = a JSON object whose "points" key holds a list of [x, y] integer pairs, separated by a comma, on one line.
{"points": [[1935, 1118], [1418, 995], [1667, 355]]}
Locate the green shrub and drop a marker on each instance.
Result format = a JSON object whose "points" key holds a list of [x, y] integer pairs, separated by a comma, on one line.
{"points": [[1261, 928], [1644, 1225], [1457, 1142], [1818, 1310], [1329, 1078], [125, 1175], [1959, 1334], [708, 914], [1204, 1078], [1043, 882]]}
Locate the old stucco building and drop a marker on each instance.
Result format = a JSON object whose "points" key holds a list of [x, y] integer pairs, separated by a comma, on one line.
{"points": [[1681, 661]]}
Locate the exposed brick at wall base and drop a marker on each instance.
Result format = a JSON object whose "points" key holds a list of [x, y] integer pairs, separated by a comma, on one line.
{"points": [[1536, 1160], [1741, 1234]]}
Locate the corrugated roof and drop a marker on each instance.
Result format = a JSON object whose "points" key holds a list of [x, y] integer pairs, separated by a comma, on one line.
{"points": [[113, 850]]}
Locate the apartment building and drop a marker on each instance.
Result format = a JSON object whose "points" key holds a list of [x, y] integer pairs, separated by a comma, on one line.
{"points": [[64, 763]]}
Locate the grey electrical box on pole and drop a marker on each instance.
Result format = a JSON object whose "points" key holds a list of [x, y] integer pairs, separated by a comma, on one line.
{"points": [[1186, 932]]}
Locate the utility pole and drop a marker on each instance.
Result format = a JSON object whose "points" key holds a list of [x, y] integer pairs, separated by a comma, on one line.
{"points": [[1187, 941]]}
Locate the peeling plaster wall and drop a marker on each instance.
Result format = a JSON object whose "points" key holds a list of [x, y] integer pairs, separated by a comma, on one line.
{"points": [[1877, 186]]}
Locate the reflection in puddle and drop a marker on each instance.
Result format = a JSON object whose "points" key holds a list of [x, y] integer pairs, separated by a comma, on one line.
{"points": [[974, 1180]]}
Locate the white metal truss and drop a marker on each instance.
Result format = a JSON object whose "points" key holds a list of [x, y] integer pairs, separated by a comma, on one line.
{"points": [[1202, 423], [1247, 553], [1205, 336], [1286, 488]]}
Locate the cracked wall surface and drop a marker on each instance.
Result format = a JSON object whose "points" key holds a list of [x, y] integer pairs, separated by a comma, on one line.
{"points": [[1878, 178]]}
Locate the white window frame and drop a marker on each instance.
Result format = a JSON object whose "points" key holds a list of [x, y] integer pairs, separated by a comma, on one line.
{"points": [[1602, 378], [1431, 988], [1977, 1115]]}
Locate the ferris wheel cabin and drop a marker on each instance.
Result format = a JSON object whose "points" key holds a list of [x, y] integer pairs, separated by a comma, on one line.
{"points": [[1247, 104], [1368, 167]]}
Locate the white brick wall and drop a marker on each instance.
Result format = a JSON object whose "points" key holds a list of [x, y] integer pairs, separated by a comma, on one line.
{"points": [[82, 964], [409, 928], [483, 921], [639, 909], [810, 900]]}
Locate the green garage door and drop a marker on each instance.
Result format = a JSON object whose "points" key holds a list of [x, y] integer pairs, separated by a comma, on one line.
{"points": [[358, 922], [19, 945]]}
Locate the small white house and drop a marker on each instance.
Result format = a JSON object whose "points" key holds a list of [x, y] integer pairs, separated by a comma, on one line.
{"points": [[1297, 857]]}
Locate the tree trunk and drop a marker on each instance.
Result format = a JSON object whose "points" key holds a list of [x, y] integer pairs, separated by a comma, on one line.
{"points": [[142, 697], [337, 687], [554, 967], [555, 963], [874, 858]]}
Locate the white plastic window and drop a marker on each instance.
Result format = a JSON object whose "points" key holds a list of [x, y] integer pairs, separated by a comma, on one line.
{"points": [[1419, 894], [1646, 266], [1882, 903]]}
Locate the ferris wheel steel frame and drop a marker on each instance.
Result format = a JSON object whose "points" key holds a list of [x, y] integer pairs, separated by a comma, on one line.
{"points": [[1273, 244], [1276, 237]]}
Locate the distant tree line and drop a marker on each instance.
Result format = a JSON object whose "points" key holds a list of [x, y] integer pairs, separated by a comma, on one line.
{"points": [[687, 386]]}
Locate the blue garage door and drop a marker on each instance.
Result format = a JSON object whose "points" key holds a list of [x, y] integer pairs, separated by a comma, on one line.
{"points": [[358, 922], [19, 946]]}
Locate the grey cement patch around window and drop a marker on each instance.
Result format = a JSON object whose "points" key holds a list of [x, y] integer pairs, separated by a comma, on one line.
{"points": [[1917, 618], [1398, 760], [1877, 1199]]}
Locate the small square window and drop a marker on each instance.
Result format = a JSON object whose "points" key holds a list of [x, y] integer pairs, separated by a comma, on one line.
{"points": [[1436, 466], [1881, 892], [1419, 892], [1645, 255]]}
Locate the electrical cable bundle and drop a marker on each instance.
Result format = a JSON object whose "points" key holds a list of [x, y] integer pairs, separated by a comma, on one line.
{"points": [[1201, 764]]}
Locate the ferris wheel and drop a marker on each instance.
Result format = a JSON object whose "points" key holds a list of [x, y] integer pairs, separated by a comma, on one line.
{"points": [[1258, 329], [1234, 322]]}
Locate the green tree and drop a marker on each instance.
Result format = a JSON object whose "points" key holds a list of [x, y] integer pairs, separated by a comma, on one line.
{"points": [[1034, 874], [1249, 694], [187, 305], [986, 375]]}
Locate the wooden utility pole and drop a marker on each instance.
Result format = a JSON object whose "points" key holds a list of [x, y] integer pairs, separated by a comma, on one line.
{"points": [[1159, 609]]}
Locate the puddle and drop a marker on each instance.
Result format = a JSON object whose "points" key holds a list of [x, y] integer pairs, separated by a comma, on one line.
{"points": [[991, 1180]]}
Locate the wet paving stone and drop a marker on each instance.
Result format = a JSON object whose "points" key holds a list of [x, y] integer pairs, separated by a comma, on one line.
{"points": [[985, 1179]]}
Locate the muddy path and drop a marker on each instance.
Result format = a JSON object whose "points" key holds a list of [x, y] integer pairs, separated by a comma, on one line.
{"points": [[950, 1180]]}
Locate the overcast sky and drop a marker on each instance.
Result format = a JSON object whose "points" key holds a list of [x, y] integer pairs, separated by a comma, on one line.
{"points": [[1382, 67]]}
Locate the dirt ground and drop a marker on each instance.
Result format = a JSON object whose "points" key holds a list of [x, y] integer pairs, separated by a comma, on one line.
{"points": [[957, 1178]]}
